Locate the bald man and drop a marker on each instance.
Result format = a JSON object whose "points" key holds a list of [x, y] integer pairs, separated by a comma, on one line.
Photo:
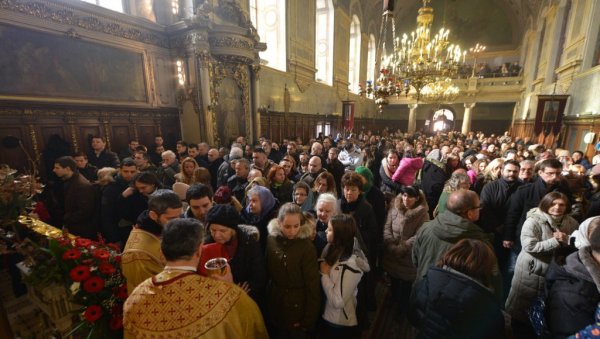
{"points": [[436, 237], [315, 167]]}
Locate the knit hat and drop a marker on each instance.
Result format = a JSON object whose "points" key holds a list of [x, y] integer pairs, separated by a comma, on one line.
{"points": [[224, 215], [222, 195], [367, 174]]}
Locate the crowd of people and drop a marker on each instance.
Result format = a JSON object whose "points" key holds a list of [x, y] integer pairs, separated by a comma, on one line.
{"points": [[469, 232]]}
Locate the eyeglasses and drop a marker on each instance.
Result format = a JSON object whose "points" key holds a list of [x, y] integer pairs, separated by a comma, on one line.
{"points": [[476, 208]]}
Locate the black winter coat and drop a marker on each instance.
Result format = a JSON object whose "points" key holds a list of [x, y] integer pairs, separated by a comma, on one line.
{"points": [[449, 304], [248, 263], [387, 184], [365, 219], [433, 177], [494, 198], [572, 293], [525, 198], [109, 208], [104, 159], [377, 201]]}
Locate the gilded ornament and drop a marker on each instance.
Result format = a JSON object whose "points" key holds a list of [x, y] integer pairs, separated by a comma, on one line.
{"points": [[63, 15]]}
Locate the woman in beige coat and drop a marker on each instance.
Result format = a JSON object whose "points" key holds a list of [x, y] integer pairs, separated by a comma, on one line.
{"points": [[546, 229], [409, 212]]}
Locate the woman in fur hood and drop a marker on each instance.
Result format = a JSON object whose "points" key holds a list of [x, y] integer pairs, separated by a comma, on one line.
{"points": [[293, 296], [404, 219]]}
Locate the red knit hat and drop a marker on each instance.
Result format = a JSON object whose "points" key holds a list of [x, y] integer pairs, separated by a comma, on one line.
{"points": [[222, 195]]}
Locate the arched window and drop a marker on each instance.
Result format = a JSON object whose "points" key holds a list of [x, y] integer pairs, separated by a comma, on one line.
{"points": [[324, 41], [110, 4], [371, 71], [354, 57], [268, 16], [443, 120]]}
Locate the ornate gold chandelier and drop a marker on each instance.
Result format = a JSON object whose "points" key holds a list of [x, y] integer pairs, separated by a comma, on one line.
{"points": [[419, 64]]}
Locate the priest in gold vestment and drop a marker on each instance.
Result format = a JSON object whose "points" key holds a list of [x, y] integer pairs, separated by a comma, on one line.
{"points": [[179, 303], [141, 257]]}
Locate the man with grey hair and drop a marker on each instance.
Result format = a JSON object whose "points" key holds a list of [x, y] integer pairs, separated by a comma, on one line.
{"points": [[169, 167], [225, 310], [226, 169], [214, 162]]}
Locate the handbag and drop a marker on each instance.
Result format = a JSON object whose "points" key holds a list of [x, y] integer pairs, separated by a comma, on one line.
{"points": [[536, 314]]}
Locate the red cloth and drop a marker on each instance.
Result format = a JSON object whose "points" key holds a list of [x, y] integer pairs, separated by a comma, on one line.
{"points": [[41, 211], [210, 251]]}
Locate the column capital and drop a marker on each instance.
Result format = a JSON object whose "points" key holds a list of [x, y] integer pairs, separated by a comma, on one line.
{"points": [[469, 104], [413, 106]]}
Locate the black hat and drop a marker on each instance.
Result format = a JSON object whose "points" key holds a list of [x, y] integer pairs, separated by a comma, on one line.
{"points": [[224, 215], [411, 191]]}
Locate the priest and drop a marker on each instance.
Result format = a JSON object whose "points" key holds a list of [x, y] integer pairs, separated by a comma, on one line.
{"points": [[179, 303]]}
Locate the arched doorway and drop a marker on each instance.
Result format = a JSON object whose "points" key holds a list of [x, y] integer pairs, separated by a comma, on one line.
{"points": [[443, 120]]}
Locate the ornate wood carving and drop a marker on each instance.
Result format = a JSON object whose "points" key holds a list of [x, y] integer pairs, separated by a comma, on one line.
{"points": [[62, 14]]}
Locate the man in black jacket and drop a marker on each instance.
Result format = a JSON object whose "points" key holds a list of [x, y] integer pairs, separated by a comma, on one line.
{"points": [[528, 196], [100, 156], [78, 206], [111, 198], [494, 198]]}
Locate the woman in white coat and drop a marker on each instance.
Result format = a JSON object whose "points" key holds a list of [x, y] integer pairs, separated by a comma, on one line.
{"points": [[342, 268]]}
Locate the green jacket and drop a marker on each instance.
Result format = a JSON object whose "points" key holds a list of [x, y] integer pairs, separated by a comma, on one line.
{"points": [[437, 236], [294, 289]]}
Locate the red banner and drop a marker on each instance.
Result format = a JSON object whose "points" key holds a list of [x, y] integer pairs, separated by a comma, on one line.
{"points": [[348, 114]]}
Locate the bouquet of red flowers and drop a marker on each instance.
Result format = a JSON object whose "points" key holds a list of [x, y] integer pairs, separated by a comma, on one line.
{"points": [[92, 272]]}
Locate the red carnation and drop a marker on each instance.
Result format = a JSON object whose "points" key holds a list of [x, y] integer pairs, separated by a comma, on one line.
{"points": [[92, 313], [101, 254], [106, 268], [93, 285], [83, 242], [118, 259], [72, 254], [115, 323], [79, 273]]}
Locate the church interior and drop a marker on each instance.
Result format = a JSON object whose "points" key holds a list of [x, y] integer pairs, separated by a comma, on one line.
{"points": [[212, 70], [186, 69]]}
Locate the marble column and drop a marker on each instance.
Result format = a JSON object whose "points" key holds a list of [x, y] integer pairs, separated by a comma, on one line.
{"points": [[187, 9], [466, 124], [255, 103], [412, 118], [207, 100]]}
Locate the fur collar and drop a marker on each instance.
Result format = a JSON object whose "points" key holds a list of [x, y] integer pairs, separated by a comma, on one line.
{"points": [[275, 231]]}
